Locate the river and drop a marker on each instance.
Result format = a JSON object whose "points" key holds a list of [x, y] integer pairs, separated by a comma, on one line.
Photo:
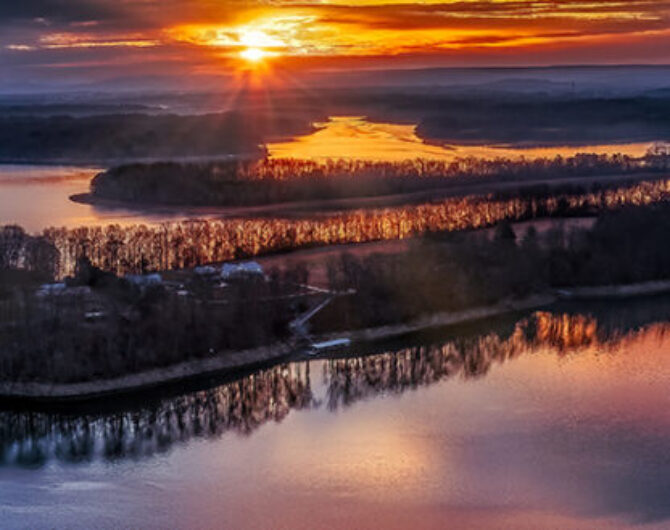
{"points": [[556, 419]]}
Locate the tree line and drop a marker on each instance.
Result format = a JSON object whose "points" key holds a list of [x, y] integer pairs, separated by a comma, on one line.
{"points": [[139, 248], [268, 181]]}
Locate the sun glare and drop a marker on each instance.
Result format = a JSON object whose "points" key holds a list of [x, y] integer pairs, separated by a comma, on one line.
{"points": [[253, 55]]}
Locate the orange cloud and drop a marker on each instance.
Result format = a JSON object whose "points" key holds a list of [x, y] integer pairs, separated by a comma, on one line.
{"points": [[345, 33], [79, 40], [393, 27]]}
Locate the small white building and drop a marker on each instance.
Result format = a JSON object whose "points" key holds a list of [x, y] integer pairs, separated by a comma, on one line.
{"points": [[205, 270], [144, 280], [62, 290], [241, 270]]}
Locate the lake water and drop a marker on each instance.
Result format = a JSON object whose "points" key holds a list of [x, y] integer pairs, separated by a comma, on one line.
{"points": [[37, 197], [550, 420]]}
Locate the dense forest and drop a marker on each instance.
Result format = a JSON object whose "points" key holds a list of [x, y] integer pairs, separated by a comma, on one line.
{"points": [[50, 338], [245, 183]]}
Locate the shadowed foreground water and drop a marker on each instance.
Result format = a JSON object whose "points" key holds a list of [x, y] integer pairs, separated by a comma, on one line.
{"points": [[558, 420]]}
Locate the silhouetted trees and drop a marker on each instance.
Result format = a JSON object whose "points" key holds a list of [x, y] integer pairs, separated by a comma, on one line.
{"points": [[51, 337], [19, 250], [243, 183], [130, 136], [137, 248]]}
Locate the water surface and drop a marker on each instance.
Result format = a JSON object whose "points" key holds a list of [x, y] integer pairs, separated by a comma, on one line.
{"points": [[553, 420], [355, 137], [37, 197]]}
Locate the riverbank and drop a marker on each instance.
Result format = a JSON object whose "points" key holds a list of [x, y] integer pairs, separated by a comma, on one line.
{"points": [[445, 319], [146, 380], [615, 291]]}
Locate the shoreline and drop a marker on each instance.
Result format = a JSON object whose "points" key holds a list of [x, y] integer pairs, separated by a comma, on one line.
{"points": [[148, 379], [275, 353], [615, 291], [444, 319]]}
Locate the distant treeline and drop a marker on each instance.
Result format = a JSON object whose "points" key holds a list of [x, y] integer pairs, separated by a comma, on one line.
{"points": [[139, 136], [542, 121], [131, 132], [245, 183], [519, 113]]}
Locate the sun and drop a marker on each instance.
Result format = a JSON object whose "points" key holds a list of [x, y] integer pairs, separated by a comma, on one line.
{"points": [[254, 55]]}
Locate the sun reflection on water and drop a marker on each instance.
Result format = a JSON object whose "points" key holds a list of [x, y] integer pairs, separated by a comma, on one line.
{"points": [[355, 137]]}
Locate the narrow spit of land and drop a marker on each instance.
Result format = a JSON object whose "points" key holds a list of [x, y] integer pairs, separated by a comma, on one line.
{"points": [[328, 206]]}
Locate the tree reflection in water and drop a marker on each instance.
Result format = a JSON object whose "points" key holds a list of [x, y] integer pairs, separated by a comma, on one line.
{"points": [[34, 438], [31, 439]]}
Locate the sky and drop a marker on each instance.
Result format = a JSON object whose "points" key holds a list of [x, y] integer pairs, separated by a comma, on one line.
{"points": [[81, 41]]}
